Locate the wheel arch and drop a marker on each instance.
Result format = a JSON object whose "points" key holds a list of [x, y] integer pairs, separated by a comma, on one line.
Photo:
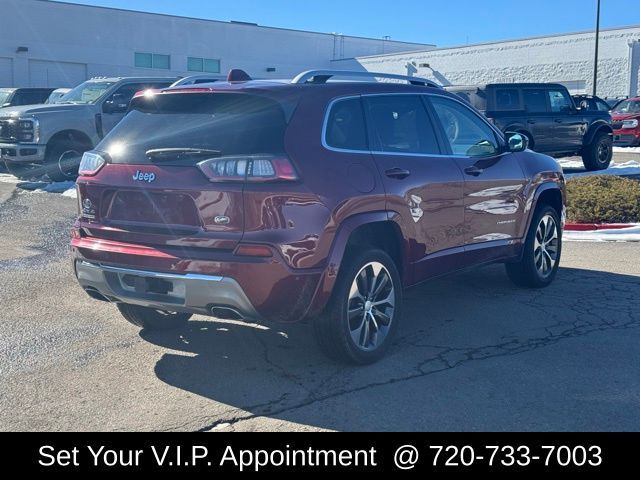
{"points": [[75, 136], [596, 128], [371, 229]]}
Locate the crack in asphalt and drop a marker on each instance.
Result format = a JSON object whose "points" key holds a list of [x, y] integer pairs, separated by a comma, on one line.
{"points": [[446, 359]]}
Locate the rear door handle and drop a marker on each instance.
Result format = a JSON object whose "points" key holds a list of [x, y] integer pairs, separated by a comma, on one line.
{"points": [[399, 173], [474, 171]]}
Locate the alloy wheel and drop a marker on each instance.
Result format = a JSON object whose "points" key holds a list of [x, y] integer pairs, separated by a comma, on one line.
{"points": [[371, 306], [604, 152], [546, 246]]}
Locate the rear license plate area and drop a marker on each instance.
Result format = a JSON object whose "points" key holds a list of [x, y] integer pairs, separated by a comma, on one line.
{"points": [[140, 286], [146, 284]]}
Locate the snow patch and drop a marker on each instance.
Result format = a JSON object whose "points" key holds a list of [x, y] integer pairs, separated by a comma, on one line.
{"points": [[631, 234], [630, 167], [626, 149], [8, 178]]}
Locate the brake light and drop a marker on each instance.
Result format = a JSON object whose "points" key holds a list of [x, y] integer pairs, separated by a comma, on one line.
{"points": [[91, 164], [255, 169]]}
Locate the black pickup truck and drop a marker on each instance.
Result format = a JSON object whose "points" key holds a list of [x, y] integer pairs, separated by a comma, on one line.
{"points": [[547, 115]]}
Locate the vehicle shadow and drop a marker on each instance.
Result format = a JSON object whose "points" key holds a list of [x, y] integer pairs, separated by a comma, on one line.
{"points": [[452, 329]]}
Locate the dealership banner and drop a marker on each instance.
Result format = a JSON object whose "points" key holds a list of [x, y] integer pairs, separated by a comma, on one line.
{"points": [[403, 454]]}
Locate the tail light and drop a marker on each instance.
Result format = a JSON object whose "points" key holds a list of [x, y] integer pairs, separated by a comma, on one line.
{"points": [[91, 164], [254, 169]]}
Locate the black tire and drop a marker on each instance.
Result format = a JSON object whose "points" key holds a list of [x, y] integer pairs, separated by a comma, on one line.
{"points": [[333, 329], [150, 319], [599, 153], [526, 272], [63, 159]]}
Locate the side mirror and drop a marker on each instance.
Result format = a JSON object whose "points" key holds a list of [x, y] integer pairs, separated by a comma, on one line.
{"points": [[116, 104], [516, 142], [4, 105]]}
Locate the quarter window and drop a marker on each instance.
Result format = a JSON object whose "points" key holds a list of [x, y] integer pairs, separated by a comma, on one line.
{"points": [[507, 99], [345, 126], [152, 60], [535, 101], [467, 133], [400, 124]]}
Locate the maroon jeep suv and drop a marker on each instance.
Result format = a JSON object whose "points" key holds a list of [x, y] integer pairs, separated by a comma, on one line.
{"points": [[307, 199]]}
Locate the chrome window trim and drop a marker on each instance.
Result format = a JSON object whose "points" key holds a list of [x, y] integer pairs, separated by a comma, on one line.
{"points": [[331, 104]]}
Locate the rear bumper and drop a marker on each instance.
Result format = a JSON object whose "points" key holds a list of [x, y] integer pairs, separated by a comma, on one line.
{"points": [[626, 139], [197, 280], [22, 153], [187, 292]]}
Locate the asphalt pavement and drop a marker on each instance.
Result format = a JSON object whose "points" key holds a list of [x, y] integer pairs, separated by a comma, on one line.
{"points": [[473, 352]]}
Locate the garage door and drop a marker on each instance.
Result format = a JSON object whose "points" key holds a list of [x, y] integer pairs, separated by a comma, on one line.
{"points": [[56, 74], [6, 72]]}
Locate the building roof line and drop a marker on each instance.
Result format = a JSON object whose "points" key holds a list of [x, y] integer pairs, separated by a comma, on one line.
{"points": [[497, 42], [232, 22]]}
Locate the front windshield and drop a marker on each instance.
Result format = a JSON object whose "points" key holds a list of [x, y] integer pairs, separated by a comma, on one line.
{"points": [[4, 96], [86, 93], [628, 106]]}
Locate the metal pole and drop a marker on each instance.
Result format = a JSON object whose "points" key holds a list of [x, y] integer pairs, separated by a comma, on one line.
{"points": [[595, 65]]}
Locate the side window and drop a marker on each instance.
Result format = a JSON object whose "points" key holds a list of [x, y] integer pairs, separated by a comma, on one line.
{"points": [[603, 106], [559, 101], [507, 99], [535, 101], [400, 124], [345, 126], [468, 134]]}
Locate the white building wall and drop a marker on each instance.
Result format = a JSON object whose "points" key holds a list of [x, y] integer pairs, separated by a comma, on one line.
{"points": [[102, 42], [565, 58]]}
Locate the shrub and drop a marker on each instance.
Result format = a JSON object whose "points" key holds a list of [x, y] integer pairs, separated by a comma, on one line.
{"points": [[603, 199]]}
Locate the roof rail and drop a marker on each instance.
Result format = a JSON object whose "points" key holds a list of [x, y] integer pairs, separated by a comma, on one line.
{"points": [[323, 76]]}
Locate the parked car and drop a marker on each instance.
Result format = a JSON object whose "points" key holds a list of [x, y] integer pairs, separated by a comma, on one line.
{"points": [[591, 102], [197, 80], [308, 199], [56, 95], [546, 114], [51, 139], [14, 97], [627, 115], [613, 102]]}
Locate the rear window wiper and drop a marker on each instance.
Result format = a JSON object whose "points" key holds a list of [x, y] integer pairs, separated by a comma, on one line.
{"points": [[166, 153]]}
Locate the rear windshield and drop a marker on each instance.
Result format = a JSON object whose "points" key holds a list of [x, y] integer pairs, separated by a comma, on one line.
{"points": [[229, 123]]}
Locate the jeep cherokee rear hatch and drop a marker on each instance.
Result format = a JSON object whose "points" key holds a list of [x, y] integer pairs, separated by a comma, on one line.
{"points": [[173, 172]]}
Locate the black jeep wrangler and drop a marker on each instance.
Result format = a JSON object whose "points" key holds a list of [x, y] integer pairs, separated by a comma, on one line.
{"points": [[547, 115]]}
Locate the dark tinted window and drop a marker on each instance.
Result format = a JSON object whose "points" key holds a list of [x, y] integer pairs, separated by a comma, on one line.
{"points": [[507, 99], [400, 124], [467, 132], [233, 124], [535, 101], [602, 106], [346, 127], [30, 97]]}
